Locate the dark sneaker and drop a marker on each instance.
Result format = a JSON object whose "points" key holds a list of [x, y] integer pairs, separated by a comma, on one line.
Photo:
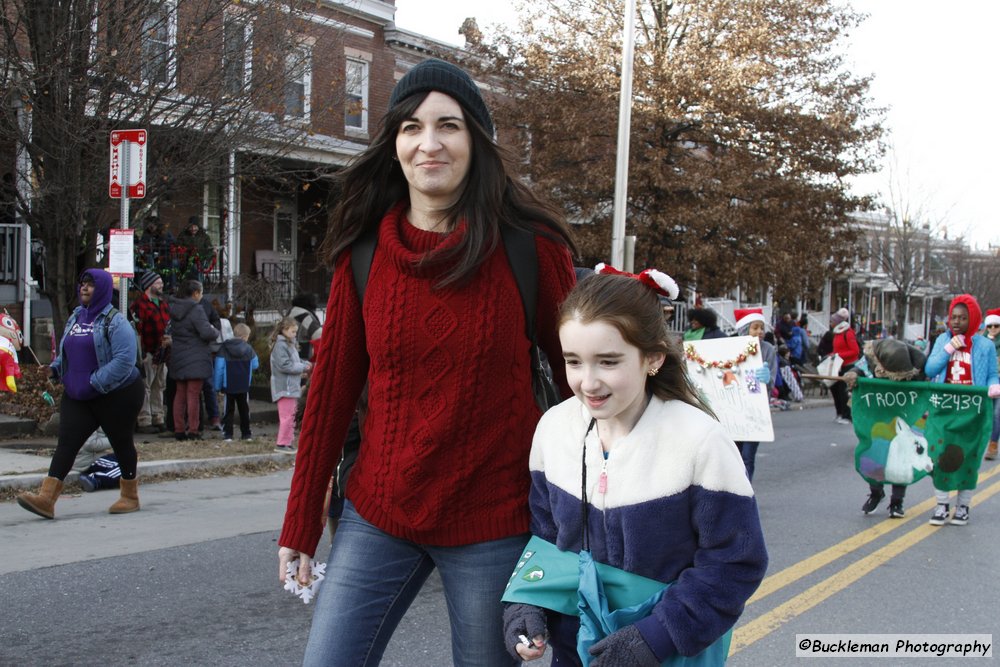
{"points": [[88, 483], [940, 516], [148, 429], [873, 500], [195, 435], [896, 509], [181, 436], [961, 516], [285, 449]]}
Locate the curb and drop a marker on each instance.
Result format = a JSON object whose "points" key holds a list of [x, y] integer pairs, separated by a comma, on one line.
{"points": [[32, 480]]}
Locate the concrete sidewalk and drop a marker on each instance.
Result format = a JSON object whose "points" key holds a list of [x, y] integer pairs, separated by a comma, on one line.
{"points": [[21, 468]]}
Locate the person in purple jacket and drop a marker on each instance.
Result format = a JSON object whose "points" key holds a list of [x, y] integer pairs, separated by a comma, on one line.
{"points": [[667, 496], [102, 388]]}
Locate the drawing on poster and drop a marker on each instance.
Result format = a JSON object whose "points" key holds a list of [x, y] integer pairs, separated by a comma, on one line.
{"points": [[723, 370]]}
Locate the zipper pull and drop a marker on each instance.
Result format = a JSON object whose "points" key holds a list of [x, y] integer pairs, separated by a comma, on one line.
{"points": [[602, 482]]}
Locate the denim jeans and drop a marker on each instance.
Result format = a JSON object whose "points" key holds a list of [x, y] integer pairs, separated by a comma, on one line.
{"points": [[996, 419], [748, 451], [372, 578]]}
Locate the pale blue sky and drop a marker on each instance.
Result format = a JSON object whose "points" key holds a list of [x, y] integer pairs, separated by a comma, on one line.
{"points": [[935, 67]]}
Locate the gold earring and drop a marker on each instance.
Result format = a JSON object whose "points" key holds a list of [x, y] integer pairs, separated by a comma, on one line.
{"points": [[653, 371]]}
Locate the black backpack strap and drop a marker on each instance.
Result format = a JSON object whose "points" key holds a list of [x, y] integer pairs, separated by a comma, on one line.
{"points": [[523, 258], [362, 253]]}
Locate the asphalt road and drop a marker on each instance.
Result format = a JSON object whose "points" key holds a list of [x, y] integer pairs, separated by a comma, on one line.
{"points": [[191, 578]]}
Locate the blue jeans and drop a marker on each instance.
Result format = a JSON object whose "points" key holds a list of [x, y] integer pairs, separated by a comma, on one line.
{"points": [[996, 419], [748, 451], [373, 577]]}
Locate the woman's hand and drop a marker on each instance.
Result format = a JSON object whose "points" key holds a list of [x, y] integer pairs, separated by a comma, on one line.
{"points": [[520, 622], [286, 556]]}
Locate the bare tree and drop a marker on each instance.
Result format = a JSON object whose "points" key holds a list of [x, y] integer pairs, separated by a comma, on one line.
{"points": [[206, 77], [745, 125]]}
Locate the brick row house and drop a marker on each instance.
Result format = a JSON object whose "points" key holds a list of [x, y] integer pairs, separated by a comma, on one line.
{"points": [[265, 206]]}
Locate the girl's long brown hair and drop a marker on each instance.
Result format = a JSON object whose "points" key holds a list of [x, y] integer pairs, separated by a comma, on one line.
{"points": [[635, 310], [374, 182]]}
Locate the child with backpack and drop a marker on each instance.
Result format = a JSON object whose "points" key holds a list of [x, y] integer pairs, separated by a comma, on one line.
{"points": [[234, 366]]}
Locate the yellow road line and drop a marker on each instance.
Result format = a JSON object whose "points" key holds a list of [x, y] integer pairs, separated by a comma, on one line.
{"points": [[764, 625], [806, 567]]}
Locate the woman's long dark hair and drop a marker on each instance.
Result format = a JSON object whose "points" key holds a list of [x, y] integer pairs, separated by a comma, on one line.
{"points": [[634, 309], [374, 182]]}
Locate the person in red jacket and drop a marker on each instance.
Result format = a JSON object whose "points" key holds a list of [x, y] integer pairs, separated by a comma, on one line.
{"points": [[845, 344], [441, 479]]}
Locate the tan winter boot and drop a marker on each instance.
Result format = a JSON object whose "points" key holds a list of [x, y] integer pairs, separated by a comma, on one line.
{"points": [[43, 503], [991, 451], [129, 501]]}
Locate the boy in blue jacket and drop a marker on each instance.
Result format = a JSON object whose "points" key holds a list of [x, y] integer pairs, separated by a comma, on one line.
{"points": [[234, 365]]}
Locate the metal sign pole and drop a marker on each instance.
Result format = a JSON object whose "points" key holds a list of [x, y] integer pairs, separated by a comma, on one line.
{"points": [[123, 219]]}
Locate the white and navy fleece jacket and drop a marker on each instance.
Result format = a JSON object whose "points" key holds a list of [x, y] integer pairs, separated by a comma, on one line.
{"points": [[677, 508]]}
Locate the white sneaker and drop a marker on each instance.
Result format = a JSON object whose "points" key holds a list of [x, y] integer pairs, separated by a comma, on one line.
{"points": [[841, 420]]}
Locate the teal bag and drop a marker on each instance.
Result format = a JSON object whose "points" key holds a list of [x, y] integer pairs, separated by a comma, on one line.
{"points": [[605, 598]]}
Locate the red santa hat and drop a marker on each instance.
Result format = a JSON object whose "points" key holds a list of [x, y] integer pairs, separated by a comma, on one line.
{"points": [[746, 316], [992, 316]]}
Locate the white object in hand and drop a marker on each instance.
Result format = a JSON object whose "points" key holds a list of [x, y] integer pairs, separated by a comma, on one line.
{"points": [[307, 592]]}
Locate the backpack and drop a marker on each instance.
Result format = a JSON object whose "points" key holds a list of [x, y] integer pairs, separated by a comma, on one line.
{"points": [[138, 342], [523, 257]]}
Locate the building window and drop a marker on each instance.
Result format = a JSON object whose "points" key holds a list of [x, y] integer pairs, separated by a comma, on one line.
{"points": [[159, 34], [284, 227], [212, 211], [236, 55], [298, 84], [356, 95]]}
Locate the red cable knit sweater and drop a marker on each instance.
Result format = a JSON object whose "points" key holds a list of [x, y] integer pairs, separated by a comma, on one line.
{"points": [[444, 453]]}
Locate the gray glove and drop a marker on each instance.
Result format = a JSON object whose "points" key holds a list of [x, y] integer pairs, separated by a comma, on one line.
{"points": [[624, 648], [521, 619]]}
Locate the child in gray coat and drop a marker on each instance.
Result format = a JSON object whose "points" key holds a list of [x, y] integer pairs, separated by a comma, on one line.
{"points": [[287, 371]]}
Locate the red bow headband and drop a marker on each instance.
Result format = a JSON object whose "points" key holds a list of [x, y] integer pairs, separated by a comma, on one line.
{"points": [[657, 281]]}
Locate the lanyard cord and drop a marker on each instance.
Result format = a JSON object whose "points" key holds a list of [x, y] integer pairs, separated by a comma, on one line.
{"points": [[584, 506]]}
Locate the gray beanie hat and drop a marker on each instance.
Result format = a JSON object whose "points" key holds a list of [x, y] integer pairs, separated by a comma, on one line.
{"points": [[148, 278], [434, 74]]}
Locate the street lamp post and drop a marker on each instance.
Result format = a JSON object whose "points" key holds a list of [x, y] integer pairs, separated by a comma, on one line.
{"points": [[624, 125]]}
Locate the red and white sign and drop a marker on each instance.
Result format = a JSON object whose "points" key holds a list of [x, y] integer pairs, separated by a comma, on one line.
{"points": [[136, 163]]}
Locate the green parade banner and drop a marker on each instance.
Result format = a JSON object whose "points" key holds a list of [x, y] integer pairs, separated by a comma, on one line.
{"points": [[908, 430]]}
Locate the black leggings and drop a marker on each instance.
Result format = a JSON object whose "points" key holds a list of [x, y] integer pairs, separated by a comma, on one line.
{"points": [[115, 412]]}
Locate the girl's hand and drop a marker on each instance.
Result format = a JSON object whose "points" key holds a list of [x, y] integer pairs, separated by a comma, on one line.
{"points": [[957, 342], [524, 622], [286, 556]]}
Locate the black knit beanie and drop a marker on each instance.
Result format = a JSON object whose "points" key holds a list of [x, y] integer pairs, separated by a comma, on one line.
{"points": [[434, 74]]}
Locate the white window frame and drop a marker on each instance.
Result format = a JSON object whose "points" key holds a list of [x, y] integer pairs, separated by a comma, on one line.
{"points": [[232, 19], [170, 6], [211, 208], [360, 93], [299, 58]]}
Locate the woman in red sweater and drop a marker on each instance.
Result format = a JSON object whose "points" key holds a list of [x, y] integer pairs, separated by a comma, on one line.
{"points": [[441, 480], [845, 344]]}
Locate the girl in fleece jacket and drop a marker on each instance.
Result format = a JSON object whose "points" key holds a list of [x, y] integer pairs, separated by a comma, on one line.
{"points": [[668, 496], [965, 358]]}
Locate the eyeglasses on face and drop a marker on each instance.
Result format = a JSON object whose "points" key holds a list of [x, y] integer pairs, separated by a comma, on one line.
{"points": [[993, 326]]}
